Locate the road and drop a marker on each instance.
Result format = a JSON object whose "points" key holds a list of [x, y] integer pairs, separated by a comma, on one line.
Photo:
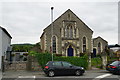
{"points": [[89, 75]]}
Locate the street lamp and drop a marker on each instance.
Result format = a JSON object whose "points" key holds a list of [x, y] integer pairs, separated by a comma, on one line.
{"points": [[52, 30]]}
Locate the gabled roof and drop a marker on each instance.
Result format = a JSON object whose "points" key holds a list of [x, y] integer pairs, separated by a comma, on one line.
{"points": [[42, 34], [100, 38], [79, 19], [5, 31], [74, 15]]}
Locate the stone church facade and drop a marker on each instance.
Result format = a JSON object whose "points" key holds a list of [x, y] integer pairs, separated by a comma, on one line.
{"points": [[67, 36]]}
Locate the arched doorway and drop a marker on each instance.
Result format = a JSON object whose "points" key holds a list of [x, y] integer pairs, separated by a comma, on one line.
{"points": [[70, 51], [94, 52]]}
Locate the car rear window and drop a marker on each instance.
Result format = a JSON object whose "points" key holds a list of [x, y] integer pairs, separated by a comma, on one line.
{"points": [[57, 64]]}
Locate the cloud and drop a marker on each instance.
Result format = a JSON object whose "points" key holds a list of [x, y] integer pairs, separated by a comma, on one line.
{"points": [[26, 20]]}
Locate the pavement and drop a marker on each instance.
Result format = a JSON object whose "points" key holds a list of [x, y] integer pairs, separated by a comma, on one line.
{"points": [[22, 73], [30, 74], [40, 75]]}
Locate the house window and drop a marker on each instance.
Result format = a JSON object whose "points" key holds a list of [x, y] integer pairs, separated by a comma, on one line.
{"points": [[99, 47], [54, 44], [84, 44]]}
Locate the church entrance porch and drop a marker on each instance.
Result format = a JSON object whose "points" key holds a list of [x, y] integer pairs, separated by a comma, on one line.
{"points": [[70, 51]]}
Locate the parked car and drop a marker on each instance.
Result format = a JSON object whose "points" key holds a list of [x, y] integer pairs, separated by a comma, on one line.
{"points": [[114, 67], [53, 68]]}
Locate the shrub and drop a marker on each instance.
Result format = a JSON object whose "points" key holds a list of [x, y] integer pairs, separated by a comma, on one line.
{"points": [[96, 61], [43, 58], [78, 61]]}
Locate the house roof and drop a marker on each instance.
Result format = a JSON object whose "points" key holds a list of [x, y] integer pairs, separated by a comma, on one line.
{"points": [[100, 38], [42, 35], [73, 14], [113, 46], [5, 31]]}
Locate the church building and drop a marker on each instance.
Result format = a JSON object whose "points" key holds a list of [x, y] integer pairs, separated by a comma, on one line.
{"points": [[68, 35]]}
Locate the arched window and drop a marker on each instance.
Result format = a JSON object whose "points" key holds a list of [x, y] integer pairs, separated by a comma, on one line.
{"points": [[67, 31], [75, 32], [99, 47], [84, 44], [54, 44], [71, 32]]}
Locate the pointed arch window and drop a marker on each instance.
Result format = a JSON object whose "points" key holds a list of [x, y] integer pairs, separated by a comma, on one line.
{"points": [[99, 47], [54, 44], [84, 44], [67, 32], [75, 32], [71, 32]]}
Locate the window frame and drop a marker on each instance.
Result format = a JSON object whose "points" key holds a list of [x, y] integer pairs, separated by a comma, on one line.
{"points": [[59, 64], [67, 63]]}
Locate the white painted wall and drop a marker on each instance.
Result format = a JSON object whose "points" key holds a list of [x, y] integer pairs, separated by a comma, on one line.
{"points": [[5, 42], [0, 47]]}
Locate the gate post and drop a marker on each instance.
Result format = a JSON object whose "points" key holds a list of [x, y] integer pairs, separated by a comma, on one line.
{"points": [[29, 63], [89, 60], [104, 60]]}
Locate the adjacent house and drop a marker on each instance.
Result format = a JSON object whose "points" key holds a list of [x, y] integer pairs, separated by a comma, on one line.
{"points": [[68, 36], [5, 42], [99, 44], [115, 49]]}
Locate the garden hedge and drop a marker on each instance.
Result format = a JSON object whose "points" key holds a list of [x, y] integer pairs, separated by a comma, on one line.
{"points": [[43, 58]]}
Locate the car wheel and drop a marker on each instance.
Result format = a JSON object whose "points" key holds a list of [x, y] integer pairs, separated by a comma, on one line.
{"points": [[78, 73], [51, 73]]}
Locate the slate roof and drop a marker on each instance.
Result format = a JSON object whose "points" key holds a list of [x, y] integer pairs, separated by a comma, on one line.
{"points": [[74, 15], [5, 31]]}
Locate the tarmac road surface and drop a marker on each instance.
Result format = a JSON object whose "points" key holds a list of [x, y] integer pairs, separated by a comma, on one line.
{"points": [[89, 75]]}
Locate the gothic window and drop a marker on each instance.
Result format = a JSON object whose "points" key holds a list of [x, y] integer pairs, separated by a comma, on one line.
{"points": [[99, 47], [54, 44], [68, 16], [84, 44], [75, 32], [64, 31], [71, 32], [60, 30], [67, 31]]}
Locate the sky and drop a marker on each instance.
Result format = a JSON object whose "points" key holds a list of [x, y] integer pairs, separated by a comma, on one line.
{"points": [[26, 19]]}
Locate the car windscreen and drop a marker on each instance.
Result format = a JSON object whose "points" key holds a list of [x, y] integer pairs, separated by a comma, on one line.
{"points": [[115, 63]]}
